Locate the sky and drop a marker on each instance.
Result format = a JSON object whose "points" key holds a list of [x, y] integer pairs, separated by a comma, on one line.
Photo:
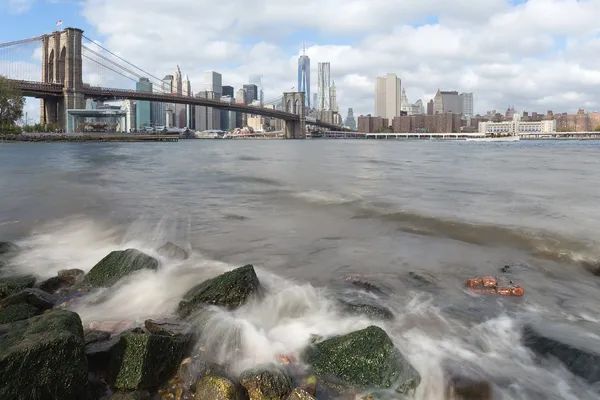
{"points": [[537, 55]]}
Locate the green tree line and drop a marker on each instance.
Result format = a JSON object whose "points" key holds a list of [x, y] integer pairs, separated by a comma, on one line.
{"points": [[11, 107]]}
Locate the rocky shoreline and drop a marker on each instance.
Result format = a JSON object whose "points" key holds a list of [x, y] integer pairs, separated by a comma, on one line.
{"points": [[57, 137], [45, 352]]}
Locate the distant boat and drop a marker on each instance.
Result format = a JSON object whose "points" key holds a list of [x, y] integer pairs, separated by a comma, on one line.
{"points": [[511, 138]]}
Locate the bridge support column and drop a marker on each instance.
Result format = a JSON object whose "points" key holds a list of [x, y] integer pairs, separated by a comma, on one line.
{"points": [[49, 111], [294, 102]]}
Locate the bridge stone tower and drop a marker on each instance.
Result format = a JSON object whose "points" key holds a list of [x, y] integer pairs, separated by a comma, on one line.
{"points": [[293, 102], [62, 64]]}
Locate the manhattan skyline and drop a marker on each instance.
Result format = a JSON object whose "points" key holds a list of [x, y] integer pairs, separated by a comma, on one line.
{"points": [[490, 48]]}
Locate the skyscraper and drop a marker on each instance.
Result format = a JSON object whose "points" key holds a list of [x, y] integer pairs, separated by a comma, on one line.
{"points": [[258, 81], [388, 96], [304, 76], [251, 92], [227, 91], [315, 100], [452, 102], [213, 82], [323, 86], [467, 104], [333, 97], [177, 82], [143, 109], [350, 121], [187, 91]]}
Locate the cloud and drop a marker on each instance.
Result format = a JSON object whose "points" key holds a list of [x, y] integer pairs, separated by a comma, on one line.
{"points": [[537, 55], [20, 6]]}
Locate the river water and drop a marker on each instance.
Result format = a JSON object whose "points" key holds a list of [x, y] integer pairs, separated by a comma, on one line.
{"points": [[308, 214]]}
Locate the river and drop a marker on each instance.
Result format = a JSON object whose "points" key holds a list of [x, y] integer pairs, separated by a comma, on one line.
{"points": [[308, 214]]}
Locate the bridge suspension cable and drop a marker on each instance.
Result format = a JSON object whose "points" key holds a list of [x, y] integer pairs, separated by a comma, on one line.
{"points": [[22, 41], [22, 59]]}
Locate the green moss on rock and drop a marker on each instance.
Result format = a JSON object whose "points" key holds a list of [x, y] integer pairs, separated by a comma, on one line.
{"points": [[17, 312], [144, 361], [35, 297], [117, 265], [300, 394], [14, 284], [216, 388], [171, 250], [8, 247], [369, 310], [267, 383], [365, 358], [43, 358], [231, 289]]}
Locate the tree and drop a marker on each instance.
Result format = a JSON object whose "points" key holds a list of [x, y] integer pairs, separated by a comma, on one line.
{"points": [[597, 128], [11, 104]]}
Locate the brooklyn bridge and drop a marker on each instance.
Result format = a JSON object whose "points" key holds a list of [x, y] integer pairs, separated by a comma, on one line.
{"points": [[60, 83]]}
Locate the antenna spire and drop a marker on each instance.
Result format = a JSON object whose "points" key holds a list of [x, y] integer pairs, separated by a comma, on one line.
{"points": [[303, 48]]}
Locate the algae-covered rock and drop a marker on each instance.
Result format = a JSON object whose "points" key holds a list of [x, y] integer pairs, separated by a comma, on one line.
{"points": [[369, 310], [365, 358], [216, 388], [17, 312], [35, 297], [143, 361], [71, 276], [8, 247], [168, 327], [51, 285], [43, 358], [171, 250], [267, 383], [231, 290], [135, 395], [93, 335], [14, 284], [117, 265], [300, 394]]}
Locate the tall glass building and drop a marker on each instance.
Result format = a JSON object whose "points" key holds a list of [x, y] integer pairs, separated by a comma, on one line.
{"points": [[143, 109], [304, 77]]}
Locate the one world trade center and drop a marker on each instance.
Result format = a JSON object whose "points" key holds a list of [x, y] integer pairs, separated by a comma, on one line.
{"points": [[304, 76]]}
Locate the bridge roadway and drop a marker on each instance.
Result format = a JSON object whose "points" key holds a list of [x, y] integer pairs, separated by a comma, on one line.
{"points": [[40, 90]]}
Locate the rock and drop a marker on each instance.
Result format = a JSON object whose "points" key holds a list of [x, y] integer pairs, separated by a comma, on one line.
{"points": [[168, 327], [569, 342], [98, 353], [15, 284], [366, 286], [136, 395], [144, 361], [463, 388], [422, 278], [365, 358], [371, 311], [300, 394], [17, 312], [170, 250], [231, 290], [8, 247], [51, 285], [117, 265], [92, 336], [216, 388], [44, 358], [71, 276], [267, 382], [96, 389], [35, 297]]}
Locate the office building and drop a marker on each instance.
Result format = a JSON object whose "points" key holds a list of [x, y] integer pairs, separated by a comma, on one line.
{"points": [[228, 118], [304, 77], [323, 86], [227, 91], [129, 107], [251, 92], [388, 100], [143, 109], [213, 82], [258, 81], [467, 104], [333, 97], [350, 122], [207, 118]]}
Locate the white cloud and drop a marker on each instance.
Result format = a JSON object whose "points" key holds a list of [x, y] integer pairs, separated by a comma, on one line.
{"points": [[20, 6], [538, 55]]}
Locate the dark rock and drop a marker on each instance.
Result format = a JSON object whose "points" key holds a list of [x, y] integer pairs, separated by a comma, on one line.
{"points": [[370, 310], [231, 290], [366, 286], [92, 336], [17, 312], [569, 342], [35, 297], [43, 357], [463, 388], [117, 265], [505, 269], [71, 276], [51, 285], [98, 353], [14, 284], [217, 388], [267, 382], [8, 247], [300, 394], [422, 278], [365, 358], [170, 250], [144, 361], [168, 327], [96, 389], [135, 395]]}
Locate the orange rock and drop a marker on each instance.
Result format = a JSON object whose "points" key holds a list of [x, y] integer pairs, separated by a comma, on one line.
{"points": [[475, 282], [283, 359], [489, 281], [483, 290], [517, 291], [504, 291]]}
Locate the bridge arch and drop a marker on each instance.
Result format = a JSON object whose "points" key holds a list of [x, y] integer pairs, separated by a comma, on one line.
{"points": [[288, 106], [50, 66], [297, 107], [61, 65]]}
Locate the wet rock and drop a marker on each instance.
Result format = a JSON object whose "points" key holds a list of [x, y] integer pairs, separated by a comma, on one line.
{"points": [[51, 285], [576, 345], [92, 336], [370, 310], [463, 388], [43, 357], [231, 290], [267, 382], [365, 358], [422, 278], [135, 395], [8, 247], [366, 286], [300, 394], [168, 327], [143, 360], [217, 388], [71, 276], [14, 284], [170, 250], [34, 297], [96, 389], [98, 353], [17, 312], [117, 265]]}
